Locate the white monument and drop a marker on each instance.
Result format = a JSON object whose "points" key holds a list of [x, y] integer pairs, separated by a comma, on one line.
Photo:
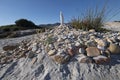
{"points": [[61, 18]]}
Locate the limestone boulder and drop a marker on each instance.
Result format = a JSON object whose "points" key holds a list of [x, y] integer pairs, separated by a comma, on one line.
{"points": [[93, 51], [101, 59], [114, 49]]}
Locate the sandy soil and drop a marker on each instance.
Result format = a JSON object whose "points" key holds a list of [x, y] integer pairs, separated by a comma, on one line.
{"points": [[114, 26]]}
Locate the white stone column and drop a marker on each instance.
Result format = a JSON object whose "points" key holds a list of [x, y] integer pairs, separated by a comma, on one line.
{"points": [[61, 18]]}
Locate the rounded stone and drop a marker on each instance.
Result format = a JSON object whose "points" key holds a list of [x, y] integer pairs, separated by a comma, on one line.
{"points": [[77, 44], [92, 30], [114, 49], [10, 47], [61, 59], [31, 55], [34, 48], [51, 52], [59, 39], [51, 46], [92, 51], [101, 59], [101, 42], [82, 50], [34, 60], [71, 52], [86, 60]]}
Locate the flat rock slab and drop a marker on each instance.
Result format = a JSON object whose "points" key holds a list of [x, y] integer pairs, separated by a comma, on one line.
{"points": [[92, 51]]}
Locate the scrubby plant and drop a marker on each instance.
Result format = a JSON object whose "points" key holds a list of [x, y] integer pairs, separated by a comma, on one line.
{"points": [[25, 23], [91, 19], [6, 29]]}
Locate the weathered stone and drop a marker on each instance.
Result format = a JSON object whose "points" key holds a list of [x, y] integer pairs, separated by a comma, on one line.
{"points": [[92, 37], [2, 61], [107, 53], [92, 30], [84, 32], [6, 59], [51, 46], [80, 56], [34, 60], [114, 49], [81, 50], [10, 60], [77, 44], [67, 41], [93, 51], [61, 59], [101, 42], [39, 50], [90, 44], [51, 52], [101, 59], [102, 48], [8, 53], [10, 47], [71, 52], [86, 60], [31, 55], [59, 39], [20, 53], [34, 48]]}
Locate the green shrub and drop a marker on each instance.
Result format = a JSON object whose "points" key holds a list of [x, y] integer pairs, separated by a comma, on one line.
{"points": [[6, 29], [25, 23], [15, 29]]}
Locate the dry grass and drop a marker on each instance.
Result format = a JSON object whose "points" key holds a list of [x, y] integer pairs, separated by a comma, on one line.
{"points": [[91, 19]]}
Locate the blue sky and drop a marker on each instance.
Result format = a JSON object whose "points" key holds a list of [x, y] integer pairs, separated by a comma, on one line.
{"points": [[47, 11]]}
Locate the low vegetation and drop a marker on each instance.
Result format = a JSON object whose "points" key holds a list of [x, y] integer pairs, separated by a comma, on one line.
{"points": [[8, 31], [91, 19], [25, 23]]}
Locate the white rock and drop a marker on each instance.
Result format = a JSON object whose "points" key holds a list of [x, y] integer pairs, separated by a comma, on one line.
{"points": [[59, 39], [51, 52], [77, 44], [38, 51], [101, 47], [92, 30], [67, 41], [98, 57], [80, 57], [34, 48], [81, 50], [51, 46]]}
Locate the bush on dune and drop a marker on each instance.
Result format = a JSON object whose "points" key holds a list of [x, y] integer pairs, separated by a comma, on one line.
{"points": [[25, 23], [92, 19]]}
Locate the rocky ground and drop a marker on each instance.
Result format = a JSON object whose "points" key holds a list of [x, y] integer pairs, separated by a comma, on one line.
{"points": [[114, 26], [62, 53]]}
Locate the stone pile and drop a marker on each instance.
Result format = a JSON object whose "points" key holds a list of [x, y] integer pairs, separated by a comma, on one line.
{"points": [[63, 44]]}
